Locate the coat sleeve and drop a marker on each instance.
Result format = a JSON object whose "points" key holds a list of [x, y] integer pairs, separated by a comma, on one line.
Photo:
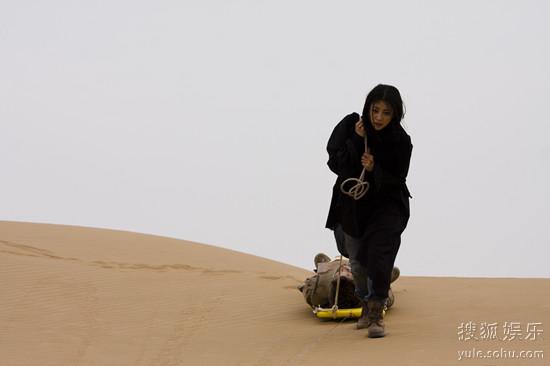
{"points": [[391, 173], [345, 147]]}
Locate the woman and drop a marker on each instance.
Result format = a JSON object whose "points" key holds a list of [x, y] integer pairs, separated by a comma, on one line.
{"points": [[368, 229]]}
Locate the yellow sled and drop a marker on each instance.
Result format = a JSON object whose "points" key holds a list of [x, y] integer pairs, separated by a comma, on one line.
{"points": [[335, 313]]}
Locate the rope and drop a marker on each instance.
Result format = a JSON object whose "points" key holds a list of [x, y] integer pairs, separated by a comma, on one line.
{"points": [[335, 307], [361, 186]]}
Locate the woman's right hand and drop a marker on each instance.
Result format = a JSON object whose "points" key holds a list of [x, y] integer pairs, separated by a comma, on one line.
{"points": [[360, 128], [367, 160]]}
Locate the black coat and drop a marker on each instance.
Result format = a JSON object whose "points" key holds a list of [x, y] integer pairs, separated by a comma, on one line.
{"points": [[388, 192]]}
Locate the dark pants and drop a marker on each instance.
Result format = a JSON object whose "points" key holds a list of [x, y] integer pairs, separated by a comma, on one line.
{"points": [[375, 251]]}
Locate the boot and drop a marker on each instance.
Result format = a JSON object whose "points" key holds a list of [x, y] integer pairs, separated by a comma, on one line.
{"points": [[320, 258], [375, 321], [390, 300], [395, 272], [362, 322]]}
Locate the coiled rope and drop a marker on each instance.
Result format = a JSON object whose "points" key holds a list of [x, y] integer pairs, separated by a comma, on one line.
{"points": [[361, 186]]}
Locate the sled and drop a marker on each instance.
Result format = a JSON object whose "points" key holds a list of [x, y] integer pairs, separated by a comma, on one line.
{"points": [[335, 313]]}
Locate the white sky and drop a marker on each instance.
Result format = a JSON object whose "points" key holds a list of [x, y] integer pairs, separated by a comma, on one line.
{"points": [[208, 121]]}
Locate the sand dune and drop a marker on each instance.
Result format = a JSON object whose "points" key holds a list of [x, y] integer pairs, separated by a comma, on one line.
{"points": [[83, 296]]}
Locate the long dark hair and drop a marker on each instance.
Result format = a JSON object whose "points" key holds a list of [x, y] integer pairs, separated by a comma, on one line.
{"points": [[388, 94]]}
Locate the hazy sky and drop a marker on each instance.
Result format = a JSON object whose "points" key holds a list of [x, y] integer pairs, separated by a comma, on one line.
{"points": [[208, 121]]}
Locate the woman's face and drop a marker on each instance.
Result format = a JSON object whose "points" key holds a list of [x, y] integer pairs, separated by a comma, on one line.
{"points": [[381, 114]]}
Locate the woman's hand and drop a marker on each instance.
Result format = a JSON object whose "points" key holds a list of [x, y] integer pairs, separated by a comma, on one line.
{"points": [[360, 128], [367, 160]]}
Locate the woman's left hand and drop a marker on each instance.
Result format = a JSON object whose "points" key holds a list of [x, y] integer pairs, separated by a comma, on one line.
{"points": [[367, 160]]}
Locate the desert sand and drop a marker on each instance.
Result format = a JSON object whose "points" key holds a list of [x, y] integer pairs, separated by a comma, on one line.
{"points": [[85, 296]]}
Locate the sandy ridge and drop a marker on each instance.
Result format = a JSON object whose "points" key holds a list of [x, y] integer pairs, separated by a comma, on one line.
{"points": [[85, 296]]}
